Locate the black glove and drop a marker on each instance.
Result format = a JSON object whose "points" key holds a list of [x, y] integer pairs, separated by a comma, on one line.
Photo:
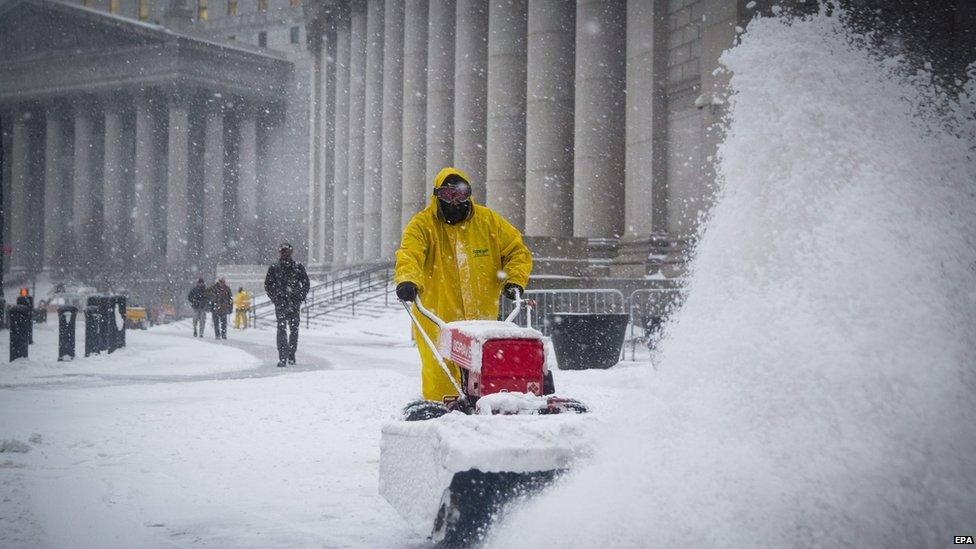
{"points": [[512, 289], [406, 291]]}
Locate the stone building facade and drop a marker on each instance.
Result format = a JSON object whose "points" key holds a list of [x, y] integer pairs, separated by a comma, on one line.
{"points": [[590, 124], [140, 151], [585, 123]]}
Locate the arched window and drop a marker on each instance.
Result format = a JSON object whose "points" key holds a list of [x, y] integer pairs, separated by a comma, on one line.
{"points": [[202, 10], [113, 6], [231, 7], [144, 10]]}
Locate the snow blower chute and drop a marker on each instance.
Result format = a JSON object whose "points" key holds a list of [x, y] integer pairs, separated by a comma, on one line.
{"points": [[449, 467]]}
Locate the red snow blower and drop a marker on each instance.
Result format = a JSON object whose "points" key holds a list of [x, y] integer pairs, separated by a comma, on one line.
{"points": [[455, 464]]}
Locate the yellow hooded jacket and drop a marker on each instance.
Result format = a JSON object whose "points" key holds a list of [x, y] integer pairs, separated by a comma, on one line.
{"points": [[242, 301], [460, 271]]}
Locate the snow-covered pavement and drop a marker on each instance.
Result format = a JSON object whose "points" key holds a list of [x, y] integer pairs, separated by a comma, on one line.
{"points": [[176, 441]]}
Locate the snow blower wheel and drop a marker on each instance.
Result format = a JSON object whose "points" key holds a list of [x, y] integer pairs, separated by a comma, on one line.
{"points": [[422, 410]]}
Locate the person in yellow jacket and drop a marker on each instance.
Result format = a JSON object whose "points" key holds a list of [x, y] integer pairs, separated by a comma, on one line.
{"points": [[459, 257], [242, 304]]}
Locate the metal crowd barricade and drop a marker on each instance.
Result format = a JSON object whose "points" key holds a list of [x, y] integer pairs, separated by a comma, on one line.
{"points": [[649, 309], [550, 302]]}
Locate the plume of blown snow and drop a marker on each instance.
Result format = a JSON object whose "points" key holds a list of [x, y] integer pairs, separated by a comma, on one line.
{"points": [[818, 387]]}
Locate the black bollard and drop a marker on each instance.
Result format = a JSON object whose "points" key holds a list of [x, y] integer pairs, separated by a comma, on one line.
{"points": [[93, 324], [28, 301], [20, 324], [66, 332]]}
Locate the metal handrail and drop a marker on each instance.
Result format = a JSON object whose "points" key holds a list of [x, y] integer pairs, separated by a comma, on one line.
{"points": [[327, 291], [350, 304]]}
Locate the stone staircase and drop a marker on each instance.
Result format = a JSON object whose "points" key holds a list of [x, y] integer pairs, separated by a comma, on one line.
{"points": [[369, 304]]}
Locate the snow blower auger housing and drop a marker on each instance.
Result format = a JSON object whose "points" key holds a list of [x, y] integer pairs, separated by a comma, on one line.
{"points": [[449, 468]]}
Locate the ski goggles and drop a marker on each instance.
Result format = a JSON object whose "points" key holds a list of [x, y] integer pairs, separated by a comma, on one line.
{"points": [[456, 193]]}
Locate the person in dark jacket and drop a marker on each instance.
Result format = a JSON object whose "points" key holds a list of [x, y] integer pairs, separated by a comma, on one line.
{"points": [[199, 299], [286, 285], [223, 304]]}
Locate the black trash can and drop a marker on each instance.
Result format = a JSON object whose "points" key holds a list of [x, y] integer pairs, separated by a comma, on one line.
{"points": [[67, 316], [20, 326], [588, 340], [28, 301]]}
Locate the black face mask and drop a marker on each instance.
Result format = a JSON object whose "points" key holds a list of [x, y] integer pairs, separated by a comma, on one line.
{"points": [[454, 213]]}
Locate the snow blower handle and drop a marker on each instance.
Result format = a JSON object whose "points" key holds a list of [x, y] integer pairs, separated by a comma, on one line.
{"points": [[519, 303], [430, 344]]}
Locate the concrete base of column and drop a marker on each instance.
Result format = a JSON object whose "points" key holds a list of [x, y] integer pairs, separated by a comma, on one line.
{"points": [[632, 258], [557, 256], [660, 256], [601, 252]]}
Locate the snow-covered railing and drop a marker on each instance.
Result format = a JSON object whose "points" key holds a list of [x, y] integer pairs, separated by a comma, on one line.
{"points": [[337, 284], [649, 309]]}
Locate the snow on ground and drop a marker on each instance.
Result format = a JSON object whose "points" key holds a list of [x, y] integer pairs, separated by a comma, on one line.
{"points": [[143, 358], [178, 441]]}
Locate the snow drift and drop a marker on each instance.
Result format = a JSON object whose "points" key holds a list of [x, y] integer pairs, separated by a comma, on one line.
{"points": [[819, 386]]}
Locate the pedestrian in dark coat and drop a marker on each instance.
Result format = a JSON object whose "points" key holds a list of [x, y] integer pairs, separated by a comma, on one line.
{"points": [[199, 299], [286, 285], [223, 304]]}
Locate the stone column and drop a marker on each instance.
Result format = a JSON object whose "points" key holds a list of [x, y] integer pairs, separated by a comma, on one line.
{"points": [[326, 195], [646, 131], [340, 205], [415, 182], [598, 174], [471, 92], [22, 240], [178, 163], [549, 118], [82, 178], [505, 178], [54, 205], [114, 211], [213, 183], [246, 233], [373, 140], [357, 121], [392, 127], [314, 143], [145, 231], [440, 87]]}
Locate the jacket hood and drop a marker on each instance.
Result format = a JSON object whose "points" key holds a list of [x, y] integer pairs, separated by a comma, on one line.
{"points": [[438, 181]]}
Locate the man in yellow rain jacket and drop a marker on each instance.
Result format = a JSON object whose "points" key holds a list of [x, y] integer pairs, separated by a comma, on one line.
{"points": [[242, 304], [459, 257]]}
